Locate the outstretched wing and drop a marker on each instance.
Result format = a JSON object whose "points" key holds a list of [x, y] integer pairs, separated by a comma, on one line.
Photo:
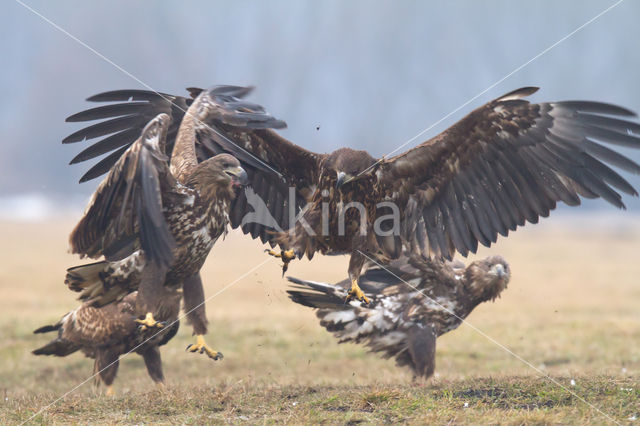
{"points": [[236, 127], [123, 123], [507, 162], [125, 212]]}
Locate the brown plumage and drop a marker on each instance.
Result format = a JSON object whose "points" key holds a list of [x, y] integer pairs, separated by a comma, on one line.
{"points": [[506, 163], [155, 221], [104, 333], [413, 301]]}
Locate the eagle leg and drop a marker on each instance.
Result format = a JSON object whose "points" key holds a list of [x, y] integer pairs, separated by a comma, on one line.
{"points": [[110, 391], [286, 256], [356, 292], [201, 347], [356, 262], [149, 322]]}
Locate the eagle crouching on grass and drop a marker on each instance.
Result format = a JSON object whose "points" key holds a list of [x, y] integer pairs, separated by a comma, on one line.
{"points": [[412, 302], [104, 333]]}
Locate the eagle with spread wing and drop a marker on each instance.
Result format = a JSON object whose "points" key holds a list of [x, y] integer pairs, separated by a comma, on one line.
{"points": [[106, 332], [413, 301], [155, 219], [506, 163]]}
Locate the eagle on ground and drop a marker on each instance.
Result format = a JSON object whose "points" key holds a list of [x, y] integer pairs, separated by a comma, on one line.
{"points": [[506, 163], [106, 332], [413, 301], [155, 218]]}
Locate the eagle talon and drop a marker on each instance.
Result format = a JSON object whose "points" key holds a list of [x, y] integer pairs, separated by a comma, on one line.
{"points": [[201, 347], [356, 293], [286, 255], [149, 322]]}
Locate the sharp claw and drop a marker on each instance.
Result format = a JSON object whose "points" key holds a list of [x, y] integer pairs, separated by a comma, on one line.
{"points": [[355, 295], [201, 347]]}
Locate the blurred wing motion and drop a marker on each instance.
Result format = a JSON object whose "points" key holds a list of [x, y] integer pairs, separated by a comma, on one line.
{"points": [[126, 211], [412, 301], [507, 162], [239, 128]]}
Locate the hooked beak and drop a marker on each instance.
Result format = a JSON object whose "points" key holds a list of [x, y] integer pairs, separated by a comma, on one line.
{"points": [[342, 179], [238, 176], [499, 271]]}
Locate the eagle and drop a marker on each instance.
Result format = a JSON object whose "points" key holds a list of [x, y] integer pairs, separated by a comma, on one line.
{"points": [[155, 218], [106, 332], [506, 163], [413, 301]]}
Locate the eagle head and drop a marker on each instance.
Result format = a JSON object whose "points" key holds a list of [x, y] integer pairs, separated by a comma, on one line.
{"points": [[219, 174], [486, 279], [348, 164]]}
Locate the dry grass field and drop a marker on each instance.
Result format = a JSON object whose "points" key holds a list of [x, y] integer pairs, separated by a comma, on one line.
{"points": [[571, 310]]}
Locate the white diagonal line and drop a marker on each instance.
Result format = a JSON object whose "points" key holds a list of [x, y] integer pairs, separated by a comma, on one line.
{"points": [[104, 58], [494, 341], [490, 87], [232, 283], [205, 124]]}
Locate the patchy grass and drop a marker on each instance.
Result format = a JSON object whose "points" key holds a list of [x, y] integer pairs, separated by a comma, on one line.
{"points": [[508, 400], [571, 310]]}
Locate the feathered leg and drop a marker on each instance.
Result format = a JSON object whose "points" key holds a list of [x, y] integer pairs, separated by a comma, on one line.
{"points": [[193, 294], [106, 366], [149, 292], [153, 361], [422, 347]]}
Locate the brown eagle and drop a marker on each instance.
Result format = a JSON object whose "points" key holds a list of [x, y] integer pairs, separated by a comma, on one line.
{"points": [[106, 332], [155, 221], [506, 163], [412, 301]]}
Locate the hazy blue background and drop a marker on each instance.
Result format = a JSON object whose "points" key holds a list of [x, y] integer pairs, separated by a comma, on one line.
{"points": [[371, 74]]}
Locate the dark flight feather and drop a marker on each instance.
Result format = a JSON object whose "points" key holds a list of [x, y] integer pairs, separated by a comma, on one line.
{"points": [[129, 201], [537, 154]]}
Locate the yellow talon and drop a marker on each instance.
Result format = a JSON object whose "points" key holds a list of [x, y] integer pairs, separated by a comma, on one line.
{"points": [[356, 293], [286, 256], [148, 322], [201, 347], [110, 391]]}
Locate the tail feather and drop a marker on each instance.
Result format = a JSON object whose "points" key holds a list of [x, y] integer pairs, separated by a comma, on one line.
{"points": [[316, 295], [85, 278], [58, 347], [88, 280], [48, 328]]}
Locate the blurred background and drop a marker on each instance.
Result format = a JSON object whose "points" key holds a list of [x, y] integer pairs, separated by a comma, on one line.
{"points": [[365, 74], [368, 75]]}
